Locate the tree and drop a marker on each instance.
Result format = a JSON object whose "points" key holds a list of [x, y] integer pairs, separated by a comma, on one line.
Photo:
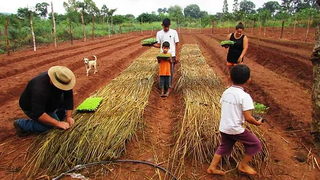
{"points": [[110, 15], [104, 11], [42, 9], [175, 13], [272, 6], [225, 6], [287, 6], [71, 7], [26, 13], [192, 10], [235, 6], [247, 7], [93, 11], [315, 122]]}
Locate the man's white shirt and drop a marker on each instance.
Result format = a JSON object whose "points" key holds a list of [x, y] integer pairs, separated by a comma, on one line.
{"points": [[171, 36]]}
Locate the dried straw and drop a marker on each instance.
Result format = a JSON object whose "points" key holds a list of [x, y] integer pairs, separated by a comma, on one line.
{"points": [[198, 135], [101, 135]]}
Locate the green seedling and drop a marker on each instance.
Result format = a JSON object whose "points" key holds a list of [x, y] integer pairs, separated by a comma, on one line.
{"points": [[90, 104]]}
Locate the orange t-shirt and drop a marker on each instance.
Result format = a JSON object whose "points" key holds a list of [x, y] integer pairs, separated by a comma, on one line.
{"points": [[165, 66]]}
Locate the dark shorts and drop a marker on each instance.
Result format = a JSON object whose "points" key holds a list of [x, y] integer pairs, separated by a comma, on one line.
{"points": [[251, 143], [164, 82]]}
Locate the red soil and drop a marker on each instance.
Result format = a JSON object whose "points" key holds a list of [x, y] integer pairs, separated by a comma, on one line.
{"points": [[281, 79]]}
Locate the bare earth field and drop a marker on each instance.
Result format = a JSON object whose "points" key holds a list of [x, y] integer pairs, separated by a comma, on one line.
{"points": [[281, 79]]}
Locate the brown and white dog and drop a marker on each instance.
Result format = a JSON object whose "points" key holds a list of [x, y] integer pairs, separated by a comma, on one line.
{"points": [[90, 63]]}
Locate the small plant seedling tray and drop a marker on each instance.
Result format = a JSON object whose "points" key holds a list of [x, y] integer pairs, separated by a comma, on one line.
{"points": [[149, 42], [227, 43], [90, 104]]}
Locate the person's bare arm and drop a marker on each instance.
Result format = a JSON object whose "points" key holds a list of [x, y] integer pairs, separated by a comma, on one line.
{"points": [[250, 119], [228, 37], [69, 118], [245, 48], [46, 119]]}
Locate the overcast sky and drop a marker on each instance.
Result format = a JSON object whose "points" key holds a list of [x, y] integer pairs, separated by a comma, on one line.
{"points": [[135, 7]]}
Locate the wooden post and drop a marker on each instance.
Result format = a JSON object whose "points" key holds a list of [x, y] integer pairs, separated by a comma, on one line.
{"points": [[92, 27], [200, 26], [294, 25], [141, 25], [7, 38], [228, 26], [71, 35], [253, 22], [212, 25], [84, 27], [32, 32], [120, 30], [282, 26], [308, 27], [54, 26]]}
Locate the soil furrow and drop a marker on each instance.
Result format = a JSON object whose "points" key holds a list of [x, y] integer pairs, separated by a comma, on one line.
{"points": [[290, 68], [35, 63], [6, 60], [16, 88]]}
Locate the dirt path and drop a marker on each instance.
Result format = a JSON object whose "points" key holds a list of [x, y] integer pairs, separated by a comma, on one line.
{"points": [[288, 103], [110, 65]]}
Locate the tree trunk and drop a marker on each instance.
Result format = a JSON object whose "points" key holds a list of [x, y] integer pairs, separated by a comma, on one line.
{"points": [[54, 26], [93, 27], [32, 33], [103, 19], [315, 123], [252, 27], [71, 34], [7, 38], [212, 25], [308, 27], [282, 27], [294, 25], [112, 24], [84, 27]]}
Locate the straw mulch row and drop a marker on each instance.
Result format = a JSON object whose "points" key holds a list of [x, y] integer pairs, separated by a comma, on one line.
{"points": [[101, 135], [198, 135]]}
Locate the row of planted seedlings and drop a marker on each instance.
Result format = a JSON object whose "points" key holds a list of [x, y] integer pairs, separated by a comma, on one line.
{"points": [[101, 135], [197, 134]]}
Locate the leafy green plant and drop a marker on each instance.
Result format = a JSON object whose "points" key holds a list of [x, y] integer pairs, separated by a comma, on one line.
{"points": [[90, 104], [227, 43], [149, 41], [260, 108]]}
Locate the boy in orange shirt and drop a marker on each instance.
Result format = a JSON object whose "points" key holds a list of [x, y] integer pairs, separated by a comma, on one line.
{"points": [[164, 60]]}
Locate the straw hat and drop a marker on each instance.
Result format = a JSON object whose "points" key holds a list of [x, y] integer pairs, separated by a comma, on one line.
{"points": [[62, 77]]}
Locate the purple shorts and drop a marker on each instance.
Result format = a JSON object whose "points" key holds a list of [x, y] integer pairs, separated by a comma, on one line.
{"points": [[251, 143]]}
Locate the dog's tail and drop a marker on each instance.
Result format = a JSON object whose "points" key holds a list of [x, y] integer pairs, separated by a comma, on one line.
{"points": [[95, 57]]}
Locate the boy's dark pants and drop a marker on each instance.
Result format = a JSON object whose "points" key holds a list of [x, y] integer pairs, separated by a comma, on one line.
{"points": [[171, 70], [164, 83], [251, 143]]}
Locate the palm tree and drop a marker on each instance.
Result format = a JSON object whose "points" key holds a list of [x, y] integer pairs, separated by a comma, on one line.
{"points": [[104, 12], [110, 14]]}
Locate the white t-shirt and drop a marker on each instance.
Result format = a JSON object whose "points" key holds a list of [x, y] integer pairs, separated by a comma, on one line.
{"points": [[233, 102], [171, 36]]}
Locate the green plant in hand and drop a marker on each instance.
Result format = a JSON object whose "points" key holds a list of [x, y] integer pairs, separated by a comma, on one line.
{"points": [[90, 104], [260, 108], [227, 43], [149, 41]]}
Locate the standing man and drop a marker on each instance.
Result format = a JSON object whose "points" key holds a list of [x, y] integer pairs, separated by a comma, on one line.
{"points": [[47, 100], [171, 36]]}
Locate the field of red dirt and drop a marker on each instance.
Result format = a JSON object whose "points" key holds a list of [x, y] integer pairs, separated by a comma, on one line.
{"points": [[281, 79]]}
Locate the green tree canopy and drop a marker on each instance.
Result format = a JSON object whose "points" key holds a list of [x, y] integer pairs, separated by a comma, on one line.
{"points": [[225, 6], [42, 9], [272, 6], [175, 13], [192, 11], [247, 7]]}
